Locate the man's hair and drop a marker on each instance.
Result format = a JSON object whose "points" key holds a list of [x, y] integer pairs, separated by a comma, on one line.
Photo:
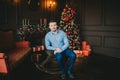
{"points": [[52, 21]]}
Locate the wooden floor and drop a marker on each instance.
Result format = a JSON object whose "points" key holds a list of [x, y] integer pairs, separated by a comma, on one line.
{"points": [[95, 67]]}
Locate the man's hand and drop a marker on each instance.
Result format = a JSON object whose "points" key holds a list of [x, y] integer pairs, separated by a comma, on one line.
{"points": [[57, 50]]}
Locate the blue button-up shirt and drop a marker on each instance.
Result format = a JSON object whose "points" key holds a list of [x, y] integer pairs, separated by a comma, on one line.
{"points": [[56, 40]]}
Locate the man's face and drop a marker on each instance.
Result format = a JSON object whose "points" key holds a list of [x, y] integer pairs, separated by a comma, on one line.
{"points": [[53, 26]]}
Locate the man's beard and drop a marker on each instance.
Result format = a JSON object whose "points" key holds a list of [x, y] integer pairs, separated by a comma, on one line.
{"points": [[54, 30]]}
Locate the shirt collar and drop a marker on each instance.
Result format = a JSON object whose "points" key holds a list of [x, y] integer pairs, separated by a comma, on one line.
{"points": [[54, 32]]}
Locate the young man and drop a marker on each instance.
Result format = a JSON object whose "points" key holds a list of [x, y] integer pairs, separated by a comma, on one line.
{"points": [[57, 43]]}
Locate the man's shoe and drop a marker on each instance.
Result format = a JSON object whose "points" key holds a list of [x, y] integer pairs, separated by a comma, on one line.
{"points": [[70, 75], [63, 75]]}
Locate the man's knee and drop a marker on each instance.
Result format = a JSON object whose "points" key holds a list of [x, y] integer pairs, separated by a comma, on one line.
{"points": [[58, 55], [73, 55]]}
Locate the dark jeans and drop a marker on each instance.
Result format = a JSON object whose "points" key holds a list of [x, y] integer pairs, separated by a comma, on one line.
{"points": [[67, 53], [59, 57]]}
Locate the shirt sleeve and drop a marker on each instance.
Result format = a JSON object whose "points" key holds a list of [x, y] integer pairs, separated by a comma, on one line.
{"points": [[66, 42], [48, 44]]}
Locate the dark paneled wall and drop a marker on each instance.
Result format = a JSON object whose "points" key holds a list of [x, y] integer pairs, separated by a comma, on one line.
{"points": [[101, 25], [98, 20], [3, 12]]}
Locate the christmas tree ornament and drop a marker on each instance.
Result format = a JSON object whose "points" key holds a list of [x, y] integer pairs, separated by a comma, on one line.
{"points": [[66, 19], [73, 11]]}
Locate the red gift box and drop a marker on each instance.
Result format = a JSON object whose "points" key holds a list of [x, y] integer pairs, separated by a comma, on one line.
{"points": [[38, 48], [84, 43], [1, 55], [86, 53], [3, 66], [88, 48], [78, 52]]}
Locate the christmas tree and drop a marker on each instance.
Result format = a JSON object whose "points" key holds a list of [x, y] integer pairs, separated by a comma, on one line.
{"points": [[67, 24]]}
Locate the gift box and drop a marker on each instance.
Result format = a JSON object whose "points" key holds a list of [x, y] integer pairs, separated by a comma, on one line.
{"points": [[1, 55], [84, 43], [78, 52], [86, 53], [38, 48], [88, 48], [3, 66]]}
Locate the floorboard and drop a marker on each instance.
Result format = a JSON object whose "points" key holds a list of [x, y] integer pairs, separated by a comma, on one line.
{"points": [[94, 67]]}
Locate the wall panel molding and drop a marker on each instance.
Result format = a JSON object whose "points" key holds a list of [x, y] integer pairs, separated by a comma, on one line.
{"points": [[100, 28], [111, 12], [111, 42], [95, 41], [93, 12], [3, 12]]}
